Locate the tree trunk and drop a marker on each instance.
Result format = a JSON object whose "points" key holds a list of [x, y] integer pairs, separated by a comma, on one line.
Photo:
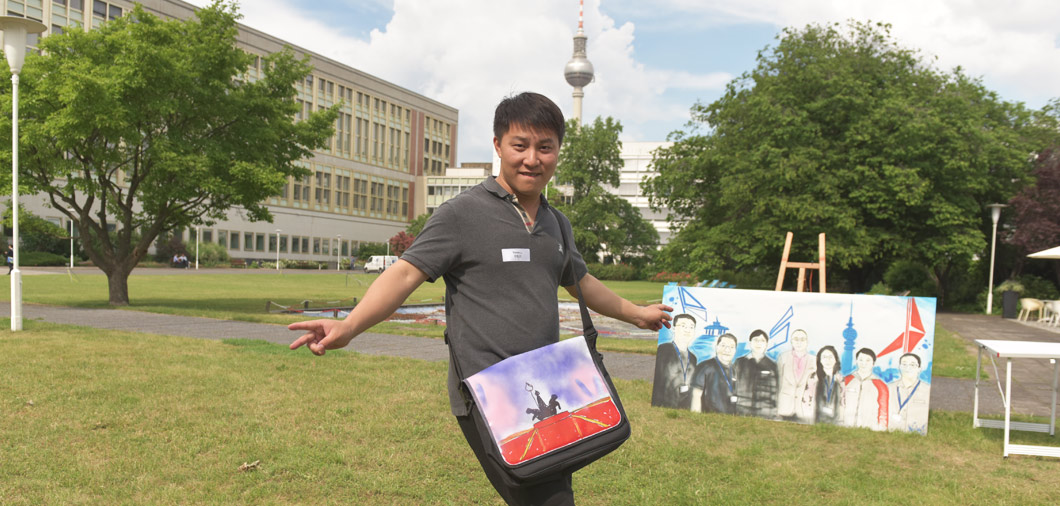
{"points": [[940, 274], [118, 283]]}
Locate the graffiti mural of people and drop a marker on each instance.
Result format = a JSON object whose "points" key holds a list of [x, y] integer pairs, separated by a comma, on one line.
{"points": [[756, 392], [674, 365], [824, 390], [866, 396], [794, 367], [908, 397], [714, 381]]}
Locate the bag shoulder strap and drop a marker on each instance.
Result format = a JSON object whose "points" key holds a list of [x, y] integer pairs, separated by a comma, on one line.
{"points": [[588, 330]]}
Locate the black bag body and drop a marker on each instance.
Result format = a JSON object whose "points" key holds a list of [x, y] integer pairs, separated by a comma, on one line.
{"points": [[561, 442]]}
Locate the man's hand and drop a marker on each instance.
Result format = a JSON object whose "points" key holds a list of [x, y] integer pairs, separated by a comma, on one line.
{"points": [[381, 299], [653, 317], [601, 299], [321, 335]]}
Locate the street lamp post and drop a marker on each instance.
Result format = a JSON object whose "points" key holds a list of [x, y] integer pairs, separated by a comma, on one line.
{"points": [[277, 249], [71, 240], [338, 259], [995, 213], [15, 31]]}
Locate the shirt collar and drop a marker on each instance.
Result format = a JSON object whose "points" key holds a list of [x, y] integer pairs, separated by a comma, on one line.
{"points": [[497, 190]]}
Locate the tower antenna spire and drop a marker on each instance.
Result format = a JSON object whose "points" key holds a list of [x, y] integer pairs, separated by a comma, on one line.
{"points": [[579, 72]]}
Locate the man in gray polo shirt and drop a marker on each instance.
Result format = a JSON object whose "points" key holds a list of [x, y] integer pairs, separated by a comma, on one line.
{"points": [[499, 249]]}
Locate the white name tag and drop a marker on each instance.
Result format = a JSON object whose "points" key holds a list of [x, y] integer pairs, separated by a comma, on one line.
{"points": [[515, 254]]}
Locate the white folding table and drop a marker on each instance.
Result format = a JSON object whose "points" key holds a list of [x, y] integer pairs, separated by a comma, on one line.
{"points": [[1009, 350]]}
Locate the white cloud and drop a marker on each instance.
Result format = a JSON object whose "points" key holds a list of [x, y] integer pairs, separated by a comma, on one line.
{"points": [[470, 53], [1013, 45]]}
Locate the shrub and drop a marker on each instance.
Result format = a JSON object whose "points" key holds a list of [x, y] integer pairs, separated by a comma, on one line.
{"points": [[41, 258], [613, 272], [879, 288], [673, 277], [299, 264], [212, 254], [907, 275], [368, 249], [1038, 288]]}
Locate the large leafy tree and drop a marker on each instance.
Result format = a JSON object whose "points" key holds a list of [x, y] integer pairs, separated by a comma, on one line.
{"points": [[602, 221], [839, 129], [147, 125], [1036, 210]]}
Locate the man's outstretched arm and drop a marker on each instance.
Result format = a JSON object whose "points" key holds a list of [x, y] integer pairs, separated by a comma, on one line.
{"points": [[601, 299], [385, 295]]}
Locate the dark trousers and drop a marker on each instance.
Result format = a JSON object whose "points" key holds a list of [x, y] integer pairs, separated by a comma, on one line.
{"points": [[551, 492]]}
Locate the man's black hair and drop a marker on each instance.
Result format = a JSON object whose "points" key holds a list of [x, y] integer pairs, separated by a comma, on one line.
{"points": [[867, 352], [756, 333], [685, 316], [726, 336], [914, 355], [529, 110]]}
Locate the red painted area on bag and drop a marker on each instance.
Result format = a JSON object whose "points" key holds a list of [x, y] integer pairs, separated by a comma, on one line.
{"points": [[560, 430]]}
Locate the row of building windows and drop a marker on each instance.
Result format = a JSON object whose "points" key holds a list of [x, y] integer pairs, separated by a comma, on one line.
{"points": [[436, 145], [340, 191], [260, 242]]}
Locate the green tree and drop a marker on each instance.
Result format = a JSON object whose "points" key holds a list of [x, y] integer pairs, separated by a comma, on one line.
{"points": [[603, 222], [838, 129], [147, 125], [1035, 212], [417, 224]]}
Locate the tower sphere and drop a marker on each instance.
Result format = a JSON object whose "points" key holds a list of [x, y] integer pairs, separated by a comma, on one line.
{"points": [[578, 72]]}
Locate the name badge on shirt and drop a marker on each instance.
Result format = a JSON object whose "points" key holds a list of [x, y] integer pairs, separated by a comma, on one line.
{"points": [[515, 254]]}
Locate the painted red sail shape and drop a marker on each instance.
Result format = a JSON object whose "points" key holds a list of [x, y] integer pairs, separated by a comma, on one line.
{"points": [[913, 333]]}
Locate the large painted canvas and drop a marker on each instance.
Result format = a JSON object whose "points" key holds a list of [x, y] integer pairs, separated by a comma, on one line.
{"points": [[543, 400], [850, 360]]}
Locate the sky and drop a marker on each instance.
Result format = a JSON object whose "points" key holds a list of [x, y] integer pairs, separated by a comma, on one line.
{"points": [[653, 60]]}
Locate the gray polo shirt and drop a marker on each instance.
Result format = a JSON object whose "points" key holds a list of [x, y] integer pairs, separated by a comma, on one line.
{"points": [[500, 279]]}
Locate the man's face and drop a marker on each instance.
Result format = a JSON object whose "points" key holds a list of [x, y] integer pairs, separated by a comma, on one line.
{"points": [[726, 348], [909, 368], [684, 331], [528, 160], [865, 365], [799, 342], [758, 346]]}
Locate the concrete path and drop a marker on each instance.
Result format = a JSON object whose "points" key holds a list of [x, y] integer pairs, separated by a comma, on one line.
{"points": [[1032, 379]]}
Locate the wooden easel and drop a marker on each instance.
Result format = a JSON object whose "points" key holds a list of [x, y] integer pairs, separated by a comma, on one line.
{"points": [[802, 266]]}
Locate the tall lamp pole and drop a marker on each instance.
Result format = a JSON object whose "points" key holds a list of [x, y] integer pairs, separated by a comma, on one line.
{"points": [[71, 239], [338, 259], [995, 213], [15, 30], [277, 249]]}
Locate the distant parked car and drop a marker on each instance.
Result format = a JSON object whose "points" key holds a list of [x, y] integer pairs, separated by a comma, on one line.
{"points": [[379, 263]]}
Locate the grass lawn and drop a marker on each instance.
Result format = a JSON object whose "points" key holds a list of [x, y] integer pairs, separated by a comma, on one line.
{"points": [[102, 417], [243, 297]]}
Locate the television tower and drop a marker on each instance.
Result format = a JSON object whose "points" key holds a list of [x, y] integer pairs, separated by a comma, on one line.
{"points": [[579, 72]]}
